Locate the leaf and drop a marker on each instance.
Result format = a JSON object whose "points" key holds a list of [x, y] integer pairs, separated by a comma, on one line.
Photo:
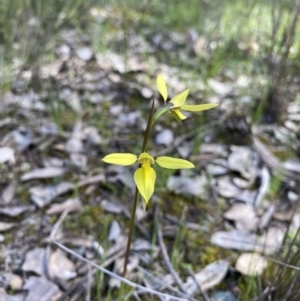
{"points": [[43, 173]]}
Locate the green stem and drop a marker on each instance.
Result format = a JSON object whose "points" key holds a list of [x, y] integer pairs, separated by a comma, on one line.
{"points": [[148, 128], [130, 231], [132, 218]]}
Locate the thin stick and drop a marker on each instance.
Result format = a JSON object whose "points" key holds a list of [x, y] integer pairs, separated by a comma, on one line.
{"points": [[163, 284], [165, 253], [124, 280]]}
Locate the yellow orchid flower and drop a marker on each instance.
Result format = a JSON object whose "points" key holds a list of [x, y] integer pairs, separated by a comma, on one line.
{"points": [[145, 175], [178, 101]]}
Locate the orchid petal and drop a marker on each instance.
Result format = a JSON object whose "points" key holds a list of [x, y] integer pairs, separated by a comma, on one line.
{"points": [[123, 159], [173, 163], [197, 108], [178, 114], [162, 87], [144, 178], [179, 99], [146, 156]]}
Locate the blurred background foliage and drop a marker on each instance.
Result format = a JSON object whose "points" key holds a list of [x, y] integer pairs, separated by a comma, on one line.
{"points": [[261, 35]]}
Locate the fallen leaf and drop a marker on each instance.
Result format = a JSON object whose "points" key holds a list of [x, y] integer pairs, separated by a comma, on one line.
{"points": [[207, 278], [16, 210], [226, 188], [35, 261], [244, 216], [219, 150], [190, 186], [271, 240], [111, 207], [7, 154], [92, 136], [59, 266], [114, 231], [43, 173], [251, 264], [8, 193], [70, 205], [43, 195], [19, 139], [41, 289], [6, 226], [236, 240], [79, 160], [241, 160]]}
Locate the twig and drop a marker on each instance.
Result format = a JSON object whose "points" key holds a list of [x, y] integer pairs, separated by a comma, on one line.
{"points": [[164, 251], [58, 224], [163, 284], [51, 237], [103, 270]]}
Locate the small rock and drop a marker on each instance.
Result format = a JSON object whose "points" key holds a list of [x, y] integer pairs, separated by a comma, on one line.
{"points": [[15, 282], [84, 53], [223, 296], [165, 137], [116, 110], [292, 196]]}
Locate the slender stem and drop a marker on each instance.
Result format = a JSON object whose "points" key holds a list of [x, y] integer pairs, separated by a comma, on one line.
{"points": [[146, 138], [148, 128], [145, 142], [130, 231]]}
